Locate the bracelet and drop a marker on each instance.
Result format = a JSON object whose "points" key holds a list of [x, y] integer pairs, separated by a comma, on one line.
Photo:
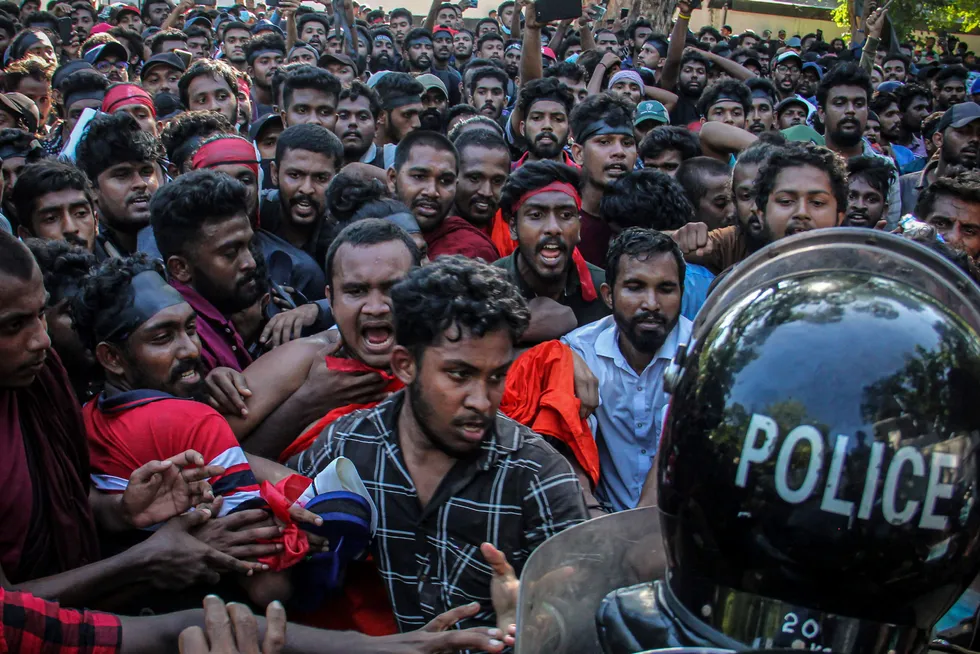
{"points": [[683, 17]]}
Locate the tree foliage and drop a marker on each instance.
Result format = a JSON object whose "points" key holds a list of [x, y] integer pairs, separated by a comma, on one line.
{"points": [[908, 16]]}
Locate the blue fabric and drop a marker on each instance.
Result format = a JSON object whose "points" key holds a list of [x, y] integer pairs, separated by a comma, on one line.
{"points": [[697, 281]]}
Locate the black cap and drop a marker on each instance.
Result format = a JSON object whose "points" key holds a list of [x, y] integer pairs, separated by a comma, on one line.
{"points": [[163, 59], [959, 115], [64, 72], [259, 125]]}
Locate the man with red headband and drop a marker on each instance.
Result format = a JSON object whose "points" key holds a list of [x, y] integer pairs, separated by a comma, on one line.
{"points": [[541, 202], [134, 101]]}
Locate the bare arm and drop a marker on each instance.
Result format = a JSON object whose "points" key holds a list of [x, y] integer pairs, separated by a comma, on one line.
{"points": [[734, 69], [177, 14], [430, 19], [531, 64], [559, 34], [288, 9], [515, 23], [86, 584], [675, 48], [585, 33], [719, 140], [648, 495], [664, 97], [875, 23]]}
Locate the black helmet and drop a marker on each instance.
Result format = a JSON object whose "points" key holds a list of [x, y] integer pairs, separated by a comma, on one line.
{"points": [[817, 475]]}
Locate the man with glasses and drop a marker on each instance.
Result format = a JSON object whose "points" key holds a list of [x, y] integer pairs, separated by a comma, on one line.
{"points": [[110, 59]]}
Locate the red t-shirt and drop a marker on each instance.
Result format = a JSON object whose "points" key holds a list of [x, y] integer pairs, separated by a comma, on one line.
{"points": [[131, 429], [456, 235]]}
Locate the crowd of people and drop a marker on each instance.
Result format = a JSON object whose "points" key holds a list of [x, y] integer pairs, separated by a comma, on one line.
{"points": [[242, 245]]}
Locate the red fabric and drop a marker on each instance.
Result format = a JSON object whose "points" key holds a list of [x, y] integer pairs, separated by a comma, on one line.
{"points": [[499, 233], [540, 394], [553, 187], [456, 235], [123, 95], [339, 364], [31, 625], [584, 276], [229, 150], [361, 606], [280, 497]]}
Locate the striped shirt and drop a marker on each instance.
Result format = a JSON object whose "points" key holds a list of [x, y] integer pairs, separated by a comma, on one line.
{"points": [[517, 492]]}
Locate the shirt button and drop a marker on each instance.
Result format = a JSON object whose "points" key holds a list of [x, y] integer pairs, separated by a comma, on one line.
{"points": [[227, 330], [643, 451], [234, 348], [639, 388], [639, 424]]}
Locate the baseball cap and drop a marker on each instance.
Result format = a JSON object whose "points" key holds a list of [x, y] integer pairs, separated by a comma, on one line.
{"points": [[199, 21], [975, 89], [259, 125], [794, 42], [22, 107], [331, 58], [100, 52], [125, 9], [549, 53], [266, 26], [430, 81], [651, 110], [163, 59], [959, 115], [811, 65], [65, 71], [792, 100], [889, 87], [803, 134], [789, 54]]}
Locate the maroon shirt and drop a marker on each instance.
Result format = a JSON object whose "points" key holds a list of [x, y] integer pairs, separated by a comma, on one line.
{"points": [[455, 235], [596, 236], [221, 344]]}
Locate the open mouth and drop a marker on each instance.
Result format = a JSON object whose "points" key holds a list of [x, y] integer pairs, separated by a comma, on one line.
{"points": [[616, 169], [190, 377], [551, 254], [378, 338], [426, 208], [481, 206]]}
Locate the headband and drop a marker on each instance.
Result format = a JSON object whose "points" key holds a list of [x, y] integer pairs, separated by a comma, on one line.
{"points": [[122, 95], [560, 187], [30, 38], [243, 86], [512, 46], [302, 46], [658, 45], [406, 221], [230, 150], [761, 94], [400, 101], [631, 75], [83, 95], [602, 128], [258, 53], [12, 151], [418, 39], [383, 37], [149, 294], [728, 97]]}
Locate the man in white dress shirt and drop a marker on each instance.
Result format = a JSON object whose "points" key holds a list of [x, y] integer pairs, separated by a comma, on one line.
{"points": [[628, 352]]}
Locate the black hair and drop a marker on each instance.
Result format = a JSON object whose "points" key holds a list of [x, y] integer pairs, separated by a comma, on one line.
{"points": [[309, 77], [762, 84], [610, 108], [359, 90], [478, 121], [531, 176], [347, 193], [310, 137], [453, 296], [708, 29], [488, 71], [64, 267], [236, 25], [797, 155], [132, 41], [397, 84], [639, 243], [145, 11], [909, 92], [42, 18], [627, 201], [483, 21], [83, 81], [566, 43], [964, 186], [170, 34], [726, 87], [669, 137], [694, 55], [878, 172], [760, 151], [489, 36], [264, 42], [181, 208], [420, 138], [32, 67], [114, 139], [312, 17], [15, 259], [930, 124], [547, 88], [890, 56], [195, 32], [567, 70], [881, 101], [480, 138], [956, 71], [415, 33], [202, 67], [635, 25], [692, 174], [846, 74], [369, 231], [43, 177], [460, 109], [184, 134], [84, 5], [401, 12]]}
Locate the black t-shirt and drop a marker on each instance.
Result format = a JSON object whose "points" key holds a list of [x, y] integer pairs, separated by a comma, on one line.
{"points": [[684, 112]]}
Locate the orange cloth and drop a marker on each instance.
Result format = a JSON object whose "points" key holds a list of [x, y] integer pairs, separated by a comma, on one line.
{"points": [[540, 394], [500, 235]]}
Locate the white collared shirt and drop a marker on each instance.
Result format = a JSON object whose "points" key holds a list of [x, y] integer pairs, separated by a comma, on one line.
{"points": [[631, 408]]}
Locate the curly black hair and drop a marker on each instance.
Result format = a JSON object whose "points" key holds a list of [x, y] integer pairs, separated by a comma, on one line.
{"points": [[908, 92], [453, 296], [114, 139], [566, 70], [184, 134], [43, 177], [531, 176], [964, 186], [726, 88], [369, 231], [358, 90], [305, 76], [64, 267], [612, 109], [639, 243], [104, 292], [878, 172], [846, 74], [181, 208], [547, 88], [83, 81], [262, 43], [798, 155], [670, 137], [627, 201], [347, 193]]}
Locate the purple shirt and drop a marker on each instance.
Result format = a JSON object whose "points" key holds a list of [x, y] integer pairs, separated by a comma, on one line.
{"points": [[595, 234], [221, 344]]}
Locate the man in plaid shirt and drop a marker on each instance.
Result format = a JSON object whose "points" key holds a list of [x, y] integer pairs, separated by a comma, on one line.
{"points": [[448, 473]]}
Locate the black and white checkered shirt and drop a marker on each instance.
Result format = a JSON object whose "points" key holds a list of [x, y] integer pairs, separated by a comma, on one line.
{"points": [[518, 492]]}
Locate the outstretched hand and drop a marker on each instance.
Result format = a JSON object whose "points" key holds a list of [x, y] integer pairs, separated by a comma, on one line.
{"points": [[504, 587], [160, 490]]}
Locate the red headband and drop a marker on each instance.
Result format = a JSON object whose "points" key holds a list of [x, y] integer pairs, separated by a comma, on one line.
{"points": [[560, 187], [230, 150], [122, 95]]}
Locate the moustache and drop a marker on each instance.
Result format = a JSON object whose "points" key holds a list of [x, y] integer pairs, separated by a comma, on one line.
{"points": [[75, 240], [303, 197], [485, 421], [185, 366], [645, 316], [352, 132], [557, 242]]}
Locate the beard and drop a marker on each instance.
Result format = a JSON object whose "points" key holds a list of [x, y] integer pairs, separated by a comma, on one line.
{"points": [[645, 341], [424, 415], [422, 63], [244, 295], [545, 149], [963, 161], [197, 392], [381, 62], [432, 120], [849, 138]]}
